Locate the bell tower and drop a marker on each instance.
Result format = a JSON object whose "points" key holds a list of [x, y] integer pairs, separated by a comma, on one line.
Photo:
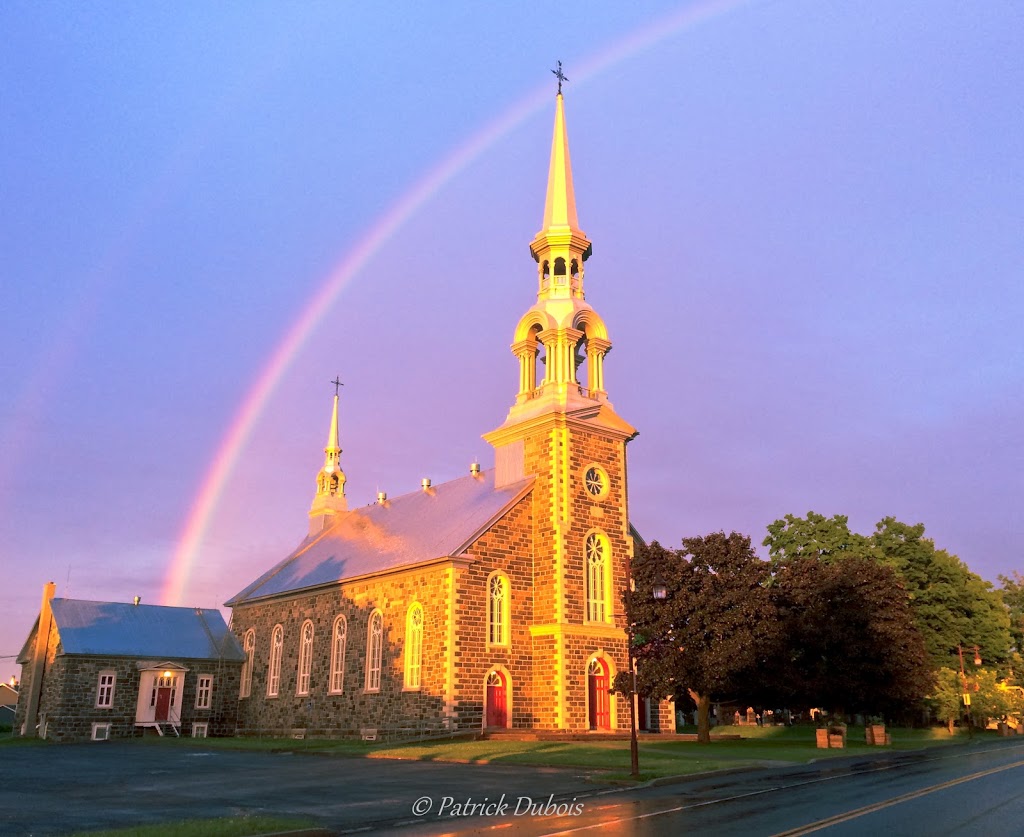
{"points": [[564, 432], [329, 499]]}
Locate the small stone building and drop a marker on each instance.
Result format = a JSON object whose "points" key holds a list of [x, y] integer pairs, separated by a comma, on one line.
{"points": [[99, 670], [493, 601]]}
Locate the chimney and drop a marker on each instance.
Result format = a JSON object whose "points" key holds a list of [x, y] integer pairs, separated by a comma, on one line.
{"points": [[136, 600], [474, 469], [425, 482], [39, 660], [382, 498]]}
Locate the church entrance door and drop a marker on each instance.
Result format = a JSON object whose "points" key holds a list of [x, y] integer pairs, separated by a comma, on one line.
{"points": [[597, 694], [497, 700]]}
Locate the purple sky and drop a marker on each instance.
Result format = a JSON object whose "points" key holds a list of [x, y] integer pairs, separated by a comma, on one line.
{"points": [[808, 227]]}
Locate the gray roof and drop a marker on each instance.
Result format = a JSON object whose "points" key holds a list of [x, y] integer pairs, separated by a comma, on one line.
{"points": [[410, 529], [126, 630]]}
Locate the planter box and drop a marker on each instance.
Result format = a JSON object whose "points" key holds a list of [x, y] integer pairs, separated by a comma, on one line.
{"points": [[869, 735], [878, 734], [822, 738], [836, 740]]}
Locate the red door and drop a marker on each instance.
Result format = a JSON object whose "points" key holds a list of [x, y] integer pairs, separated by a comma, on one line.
{"points": [[163, 703], [497, 700], [597, 693]]}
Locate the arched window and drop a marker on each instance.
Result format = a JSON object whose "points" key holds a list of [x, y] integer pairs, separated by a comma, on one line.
{"points": [[597, 578], [413, 646], [560, 268], [305, 659], [497, 610], [274, 669], [374, 651], [249, 647], [338, 655]]}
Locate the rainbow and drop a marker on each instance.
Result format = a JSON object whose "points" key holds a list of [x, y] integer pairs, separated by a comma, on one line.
{"points": [[234, 441]]}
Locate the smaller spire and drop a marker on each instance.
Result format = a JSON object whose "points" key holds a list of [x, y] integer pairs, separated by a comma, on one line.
{"points": [[329, 499]]}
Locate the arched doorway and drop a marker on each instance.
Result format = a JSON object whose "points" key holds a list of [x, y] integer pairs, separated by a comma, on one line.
{"points": [[497, 700], [598, 699]]}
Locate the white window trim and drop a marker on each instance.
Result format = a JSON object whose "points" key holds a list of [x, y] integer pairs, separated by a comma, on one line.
{"points": [[597, 603], [339, 645], [249, 646], [505, 639], [101, 731], [374, 652], [105, 691], [413, 679], [201, 729], [305, 667], [274, 666], [208, 703]]}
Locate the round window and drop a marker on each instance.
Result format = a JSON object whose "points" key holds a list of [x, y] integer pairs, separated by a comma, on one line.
{"points": [[595, 481]]}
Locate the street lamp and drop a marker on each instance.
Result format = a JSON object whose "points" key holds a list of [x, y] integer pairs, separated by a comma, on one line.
{"points": [[963, 680], [659, 591]]}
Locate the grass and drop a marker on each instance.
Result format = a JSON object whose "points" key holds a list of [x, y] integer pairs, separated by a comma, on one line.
{"points": [[244, 826], [760, 746]]}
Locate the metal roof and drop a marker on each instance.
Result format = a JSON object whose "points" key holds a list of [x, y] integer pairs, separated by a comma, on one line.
{"points": [[422, 526], [126, 630]]}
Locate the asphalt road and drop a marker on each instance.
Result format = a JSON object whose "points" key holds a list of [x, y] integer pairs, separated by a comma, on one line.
{"points": [[59, 789], [964, 790], [968, 790]]}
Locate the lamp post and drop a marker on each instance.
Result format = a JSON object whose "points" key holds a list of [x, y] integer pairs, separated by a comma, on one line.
{"points": [[659, 591], [963, 681]]}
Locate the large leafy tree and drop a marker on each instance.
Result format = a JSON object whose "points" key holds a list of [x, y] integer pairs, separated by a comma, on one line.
{"points": [[848, 638], [1013, 597], [713, 630], [952, 606]]}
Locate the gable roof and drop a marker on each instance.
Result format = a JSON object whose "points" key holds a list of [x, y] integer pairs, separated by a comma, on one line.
{"points": [[417, 527], [116, 629]]}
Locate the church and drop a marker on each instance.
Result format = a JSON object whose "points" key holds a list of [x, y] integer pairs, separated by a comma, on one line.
{"points": [[490, 602]]}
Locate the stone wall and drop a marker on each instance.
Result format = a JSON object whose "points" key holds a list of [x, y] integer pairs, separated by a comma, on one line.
{"points": [[347, 714]]}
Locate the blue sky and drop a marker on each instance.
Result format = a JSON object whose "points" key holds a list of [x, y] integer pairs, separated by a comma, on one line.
{"points": [[807, 222]]}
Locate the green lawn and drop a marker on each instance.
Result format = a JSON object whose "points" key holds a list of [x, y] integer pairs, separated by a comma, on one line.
{"points": [[658, 757]]}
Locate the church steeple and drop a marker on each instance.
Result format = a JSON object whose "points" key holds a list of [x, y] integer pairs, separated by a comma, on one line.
{"points": [[561, 342], [329, 499]]}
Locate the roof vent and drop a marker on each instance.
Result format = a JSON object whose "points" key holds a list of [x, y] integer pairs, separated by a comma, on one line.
{"points": [[425, 482], [136, 600], [381, 497], [474, 469]]}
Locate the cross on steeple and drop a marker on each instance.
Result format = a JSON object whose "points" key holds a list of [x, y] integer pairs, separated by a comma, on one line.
{"points": [[560, 76], [337, 383]]}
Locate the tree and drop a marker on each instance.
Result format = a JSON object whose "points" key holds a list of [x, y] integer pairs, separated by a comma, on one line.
{"points": [[1013, 597], [952, 606], [848, 638], [946, 698], [991, 699], [814, 536], [713, 629]]}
